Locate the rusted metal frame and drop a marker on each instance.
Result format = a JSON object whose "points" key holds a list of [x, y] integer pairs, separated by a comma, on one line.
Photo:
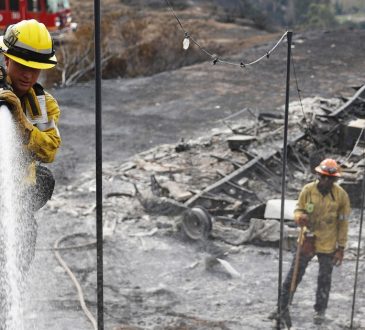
{"points": [[235, 175], [348, 103], [233, 162], [226, 188], [239, 173]]}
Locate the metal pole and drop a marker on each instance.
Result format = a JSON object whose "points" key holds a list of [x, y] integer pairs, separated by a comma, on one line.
{"points": [[283, 178], [358, 246], [99, 168]]}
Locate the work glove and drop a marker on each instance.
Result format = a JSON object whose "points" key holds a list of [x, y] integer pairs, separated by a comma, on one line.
{"points": [[15, 107], [302, 220], [338, 257]]}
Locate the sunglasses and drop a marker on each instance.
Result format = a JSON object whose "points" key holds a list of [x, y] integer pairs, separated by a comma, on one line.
{"points": [[329, 170]]}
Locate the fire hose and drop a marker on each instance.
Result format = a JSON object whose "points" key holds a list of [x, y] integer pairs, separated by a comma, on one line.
{"points": [[56, 249]]}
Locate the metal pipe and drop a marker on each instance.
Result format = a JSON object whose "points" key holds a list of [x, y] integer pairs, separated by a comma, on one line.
{"points": [[358, 247], [283, 185], [99, 168]]}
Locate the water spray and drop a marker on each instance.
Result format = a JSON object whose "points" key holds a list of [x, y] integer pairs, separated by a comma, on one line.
{"points": [[13, 225]]}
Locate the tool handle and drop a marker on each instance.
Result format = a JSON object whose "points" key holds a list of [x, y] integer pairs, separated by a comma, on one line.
{"points": [[293, 283]]}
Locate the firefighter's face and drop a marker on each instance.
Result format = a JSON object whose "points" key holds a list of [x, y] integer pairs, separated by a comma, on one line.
{"points": [[22, 77], [326, 182]]}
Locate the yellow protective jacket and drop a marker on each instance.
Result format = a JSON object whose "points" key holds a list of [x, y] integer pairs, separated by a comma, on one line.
{"points": [[328, 215], [43, 112]]}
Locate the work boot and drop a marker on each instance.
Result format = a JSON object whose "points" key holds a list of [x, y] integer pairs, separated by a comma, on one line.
{"points": [[285, 317], [319, 317]]}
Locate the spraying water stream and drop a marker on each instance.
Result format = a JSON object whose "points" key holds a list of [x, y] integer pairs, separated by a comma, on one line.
{"points": [[11, 228]]}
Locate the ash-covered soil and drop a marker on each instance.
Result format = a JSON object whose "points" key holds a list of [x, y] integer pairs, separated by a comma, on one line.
{"points": [[143, 112], [153, 278]]}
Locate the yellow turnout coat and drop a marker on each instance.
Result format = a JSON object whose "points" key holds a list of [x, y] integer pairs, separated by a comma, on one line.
{"points": [[328, 215]]}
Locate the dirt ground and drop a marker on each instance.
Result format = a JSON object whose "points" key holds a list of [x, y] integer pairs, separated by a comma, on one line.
{"points": [[143, 112], [158, 281]]}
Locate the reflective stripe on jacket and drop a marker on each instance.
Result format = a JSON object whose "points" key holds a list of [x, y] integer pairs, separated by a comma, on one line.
{"points": [[328, 215], [43, 112], [45, 138]]}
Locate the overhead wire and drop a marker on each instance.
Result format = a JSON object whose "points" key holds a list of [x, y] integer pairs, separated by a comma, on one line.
{"points": [[308, 128], [215, 58]]}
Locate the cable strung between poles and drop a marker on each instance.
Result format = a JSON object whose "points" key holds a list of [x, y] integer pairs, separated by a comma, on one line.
{"points": [[216, 58], [301, 105]]}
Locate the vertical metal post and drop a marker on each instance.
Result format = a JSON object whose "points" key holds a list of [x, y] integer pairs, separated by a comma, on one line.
{"points": [[358, 246], [283, 178], [99, 168]]}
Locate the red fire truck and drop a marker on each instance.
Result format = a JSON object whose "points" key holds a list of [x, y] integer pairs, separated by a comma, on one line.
{"points": [[54, 14]]}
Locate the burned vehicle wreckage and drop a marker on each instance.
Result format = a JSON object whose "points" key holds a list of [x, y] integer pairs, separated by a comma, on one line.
{"points": [[231, 179]]}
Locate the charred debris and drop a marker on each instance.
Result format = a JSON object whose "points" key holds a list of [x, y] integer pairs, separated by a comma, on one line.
{"points": [[228, 179]]}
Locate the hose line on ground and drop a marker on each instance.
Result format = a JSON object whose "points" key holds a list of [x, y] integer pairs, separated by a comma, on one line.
{"points": [[56, 250]]}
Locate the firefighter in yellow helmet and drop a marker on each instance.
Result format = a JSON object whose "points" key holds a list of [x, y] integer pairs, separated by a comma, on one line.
{"points": [[323, 208], [28, 48]]}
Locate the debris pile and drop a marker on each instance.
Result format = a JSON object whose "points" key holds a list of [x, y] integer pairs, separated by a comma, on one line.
{"points": [[228, 177]]}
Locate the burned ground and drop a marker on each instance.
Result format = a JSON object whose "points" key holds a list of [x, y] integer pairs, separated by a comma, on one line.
{"points": [[154, 278]]}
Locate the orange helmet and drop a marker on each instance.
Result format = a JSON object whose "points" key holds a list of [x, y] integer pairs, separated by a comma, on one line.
{"points": [[328, 167]]}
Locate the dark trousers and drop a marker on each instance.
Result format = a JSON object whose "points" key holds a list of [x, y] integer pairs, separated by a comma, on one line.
{"points": [[323, 281]]}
